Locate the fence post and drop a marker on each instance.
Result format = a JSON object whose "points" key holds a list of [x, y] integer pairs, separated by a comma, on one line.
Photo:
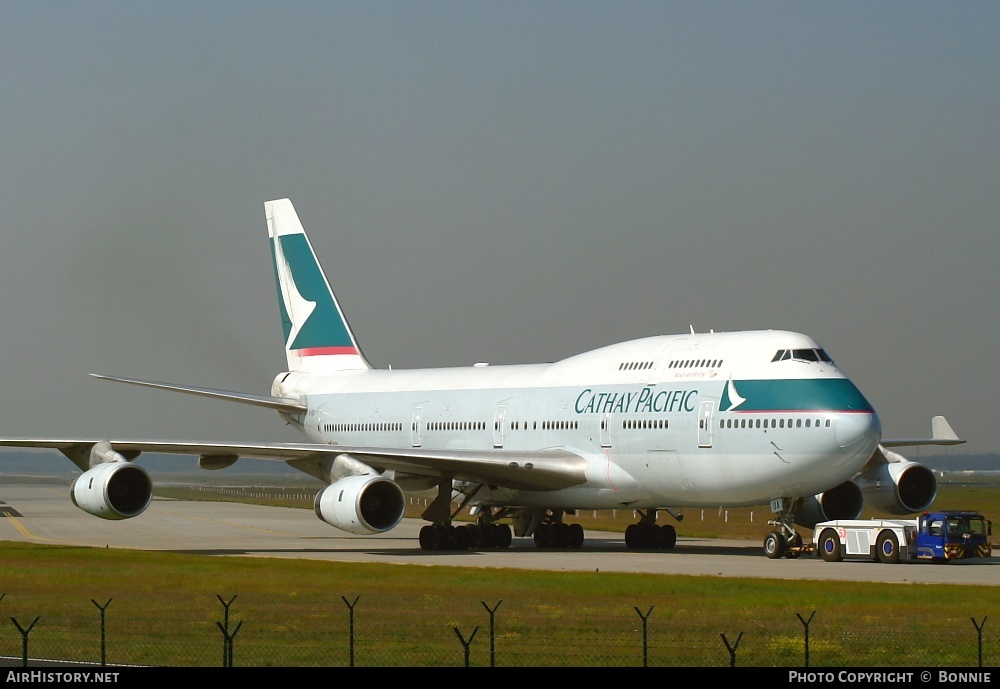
{"points": [[103, 638], [227, 642], [24, 638], [350, 615], [466, 644], [979, 632], [645, 637], [805, 623], [732, 648], [493, 637], [227, 638]]}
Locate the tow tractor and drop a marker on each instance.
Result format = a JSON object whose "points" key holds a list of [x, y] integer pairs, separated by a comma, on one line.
{"points": [[933, 536]]}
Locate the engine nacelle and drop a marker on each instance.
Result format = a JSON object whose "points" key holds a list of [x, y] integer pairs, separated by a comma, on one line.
{"points": [[899, 487], [361, 505], [843, 502], [115, 490]]}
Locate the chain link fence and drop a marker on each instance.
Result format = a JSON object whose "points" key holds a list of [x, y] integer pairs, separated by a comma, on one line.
{"points": [[381, 631]]}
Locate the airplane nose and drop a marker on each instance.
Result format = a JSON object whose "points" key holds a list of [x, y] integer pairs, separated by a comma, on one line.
{"points": [[859, 432]]}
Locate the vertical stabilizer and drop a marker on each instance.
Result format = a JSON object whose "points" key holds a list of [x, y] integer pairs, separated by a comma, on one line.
{"points": [[317, 336]]}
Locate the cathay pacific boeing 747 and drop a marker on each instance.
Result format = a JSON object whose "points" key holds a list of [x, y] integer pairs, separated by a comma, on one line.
{"points": [[654, 425]]}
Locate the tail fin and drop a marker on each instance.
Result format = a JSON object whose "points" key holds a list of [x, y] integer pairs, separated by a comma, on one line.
{"points": [[317, 336]]}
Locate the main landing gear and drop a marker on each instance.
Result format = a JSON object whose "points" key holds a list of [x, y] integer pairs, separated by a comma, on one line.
{"points": [[648, 535], [441, 534], [451, 537], [556, 534]]}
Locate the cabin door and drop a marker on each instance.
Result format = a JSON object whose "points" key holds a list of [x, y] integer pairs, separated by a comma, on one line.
{"points": [[498, 426], [415, 426], [705, 423]]}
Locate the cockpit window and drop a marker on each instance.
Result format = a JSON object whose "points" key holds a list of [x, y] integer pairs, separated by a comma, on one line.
{"points": [[802, 355]]}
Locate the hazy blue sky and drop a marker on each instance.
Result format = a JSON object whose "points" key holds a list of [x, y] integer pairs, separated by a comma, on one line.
{"points": [[493, 181]]}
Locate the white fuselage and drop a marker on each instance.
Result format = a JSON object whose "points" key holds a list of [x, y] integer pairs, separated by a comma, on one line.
{"points": [[670, 421]]}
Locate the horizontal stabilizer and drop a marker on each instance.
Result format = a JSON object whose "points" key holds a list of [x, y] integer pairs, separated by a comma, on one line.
{"points": [[941, 434], [276, 403]]}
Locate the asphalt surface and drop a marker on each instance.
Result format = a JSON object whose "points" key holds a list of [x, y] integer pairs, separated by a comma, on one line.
{"points": [[44, 514]]}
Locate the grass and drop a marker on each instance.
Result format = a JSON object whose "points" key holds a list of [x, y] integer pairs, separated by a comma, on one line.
{"points": [[164, 609]]}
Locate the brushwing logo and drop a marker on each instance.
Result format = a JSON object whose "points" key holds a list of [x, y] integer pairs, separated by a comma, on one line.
{"points": [[296, 309], [312, 322], [730, 398]]}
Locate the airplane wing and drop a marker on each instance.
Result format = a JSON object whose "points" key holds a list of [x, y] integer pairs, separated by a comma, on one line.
{"points": [[941, 434], [277, 403], [541, 470]]}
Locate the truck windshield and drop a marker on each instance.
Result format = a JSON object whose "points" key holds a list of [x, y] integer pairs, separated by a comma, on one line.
{"points": [[957, 527]]}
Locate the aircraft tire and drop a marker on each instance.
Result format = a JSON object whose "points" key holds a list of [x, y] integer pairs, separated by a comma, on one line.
{"points": [[501, 536], [440, 537], [575, 536], [481, 536], [632, 537], [427, 537], [829, 546], [464, 538], [774, 545], [668, 537], [887, 548]]}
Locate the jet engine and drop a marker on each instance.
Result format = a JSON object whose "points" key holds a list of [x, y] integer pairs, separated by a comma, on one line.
{"points": [[363, 504], [899, 486], [115, 490], [843, 502]]}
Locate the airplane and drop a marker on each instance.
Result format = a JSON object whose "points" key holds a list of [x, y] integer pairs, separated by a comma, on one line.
{"points": [[653, 425]]}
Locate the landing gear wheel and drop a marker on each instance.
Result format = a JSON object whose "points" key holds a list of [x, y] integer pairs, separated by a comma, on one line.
{"points": [[480, 536], [668, 537], [541, 536], [774, 545], [427, 537], [501, 536], [829, 546], [575, 536], [444, 537], [887, 548], [464, 538]]}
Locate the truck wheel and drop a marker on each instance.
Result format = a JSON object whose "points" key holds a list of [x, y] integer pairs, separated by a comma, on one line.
{"points": [[887, 548], [829, 546], [774, 545]]}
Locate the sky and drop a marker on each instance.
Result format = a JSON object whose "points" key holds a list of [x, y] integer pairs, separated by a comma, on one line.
{"points": [[507, 182]]}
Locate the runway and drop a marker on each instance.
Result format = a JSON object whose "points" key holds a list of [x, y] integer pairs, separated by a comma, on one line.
{"points": [[44, 514]]}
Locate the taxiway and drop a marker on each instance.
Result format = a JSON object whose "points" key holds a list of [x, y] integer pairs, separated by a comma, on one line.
{"points": [[44, 514]]}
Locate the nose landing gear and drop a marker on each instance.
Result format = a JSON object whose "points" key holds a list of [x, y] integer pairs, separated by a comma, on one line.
{"points": [[785, 540]]}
